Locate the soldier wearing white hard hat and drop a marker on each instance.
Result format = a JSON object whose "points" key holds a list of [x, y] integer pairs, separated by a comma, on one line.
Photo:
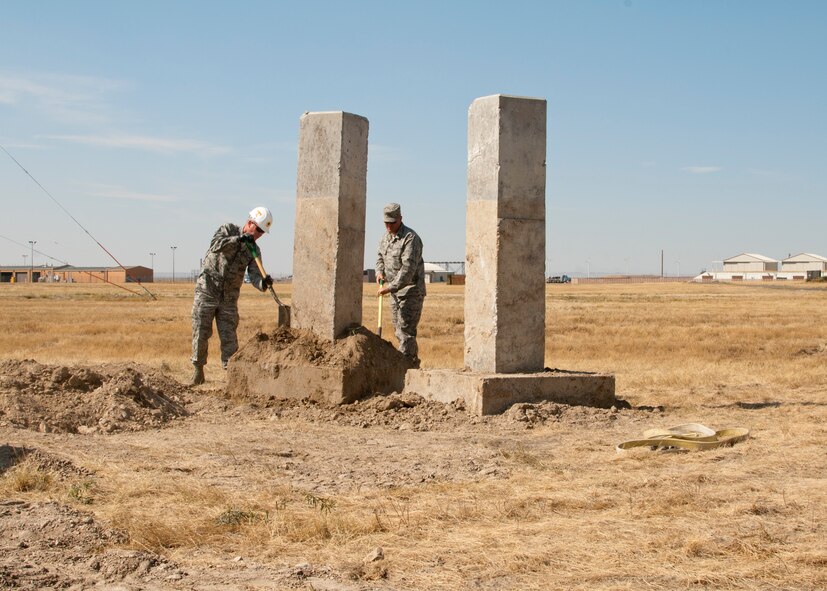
{"points": [[229, 256]]}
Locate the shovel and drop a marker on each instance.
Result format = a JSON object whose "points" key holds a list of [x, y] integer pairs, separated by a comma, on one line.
{"points": [[284, 310], [381, 297]]}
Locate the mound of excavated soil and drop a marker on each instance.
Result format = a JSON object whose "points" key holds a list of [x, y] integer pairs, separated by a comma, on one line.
{"points": [[404, 412], [102, 398], [291, 363], [51, 546], [61, 468], [412, 412]]}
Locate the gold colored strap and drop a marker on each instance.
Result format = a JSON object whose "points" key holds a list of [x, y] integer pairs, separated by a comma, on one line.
{"points": [[690, 437]]}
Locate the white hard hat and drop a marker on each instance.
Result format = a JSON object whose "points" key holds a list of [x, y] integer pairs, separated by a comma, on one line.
{"points": [[262, 218]]}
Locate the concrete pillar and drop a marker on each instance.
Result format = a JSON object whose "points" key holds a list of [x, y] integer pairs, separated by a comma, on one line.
{"points": [[329, 244], [505, 235]]}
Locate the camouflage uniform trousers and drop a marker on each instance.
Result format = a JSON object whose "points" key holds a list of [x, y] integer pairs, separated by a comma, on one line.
{"points": [[209, 305], [405, 312]]}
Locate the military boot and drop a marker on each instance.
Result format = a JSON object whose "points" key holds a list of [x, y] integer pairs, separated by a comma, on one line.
{"points": [[197, 375]]}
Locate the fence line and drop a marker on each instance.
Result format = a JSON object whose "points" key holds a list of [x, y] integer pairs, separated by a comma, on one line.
{"points": [[632, 279]]}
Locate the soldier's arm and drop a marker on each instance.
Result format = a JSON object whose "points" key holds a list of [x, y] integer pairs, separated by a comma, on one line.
{"points": [[223, 238], [410, 255]]}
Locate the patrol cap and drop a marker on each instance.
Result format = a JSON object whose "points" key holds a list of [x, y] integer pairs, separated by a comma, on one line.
{"points": [[393, 212]]}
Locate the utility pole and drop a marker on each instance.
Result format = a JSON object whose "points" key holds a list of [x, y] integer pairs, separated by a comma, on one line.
{"points": [[661, 263], [152, 254], [173, 262], [31, 262]]}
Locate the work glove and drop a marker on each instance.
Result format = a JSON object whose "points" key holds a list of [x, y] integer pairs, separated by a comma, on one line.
{"points": [[247, 238], [267, 282]]}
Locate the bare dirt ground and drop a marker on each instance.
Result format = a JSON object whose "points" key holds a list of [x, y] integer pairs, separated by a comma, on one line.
{"points": [[87, 429], [114, 475]]}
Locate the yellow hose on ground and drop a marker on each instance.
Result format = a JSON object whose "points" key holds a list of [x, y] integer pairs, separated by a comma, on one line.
{"points": [[689, 437]]}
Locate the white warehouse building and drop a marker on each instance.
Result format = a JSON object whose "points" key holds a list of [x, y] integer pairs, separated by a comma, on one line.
{"points": [[436, 274], [803, 264], [756, 267], [747, 262]]}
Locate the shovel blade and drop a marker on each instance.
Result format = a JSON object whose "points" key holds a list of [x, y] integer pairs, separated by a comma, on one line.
{"points": [[284, 316]]}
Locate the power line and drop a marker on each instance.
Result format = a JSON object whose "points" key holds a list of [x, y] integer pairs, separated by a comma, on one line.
{"points": [[66, 211], [62, 262]]}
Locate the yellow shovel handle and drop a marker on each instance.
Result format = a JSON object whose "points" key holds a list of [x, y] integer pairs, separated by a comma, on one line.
{"points": [[260, 267], [380, 309], [257, 259]]}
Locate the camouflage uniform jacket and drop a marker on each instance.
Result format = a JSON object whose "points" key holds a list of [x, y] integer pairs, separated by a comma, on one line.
{"points": [[400, 261], [225, 262]]}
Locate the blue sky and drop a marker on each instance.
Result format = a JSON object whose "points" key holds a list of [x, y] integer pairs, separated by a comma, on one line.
{"points": [[693, 127]]}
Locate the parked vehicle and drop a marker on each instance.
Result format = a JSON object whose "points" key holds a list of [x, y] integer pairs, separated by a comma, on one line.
{"points": [[559, 279]]}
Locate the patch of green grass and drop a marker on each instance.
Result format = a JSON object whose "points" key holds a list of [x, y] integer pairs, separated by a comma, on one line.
{"points": [[237, 517], [82, 492]]}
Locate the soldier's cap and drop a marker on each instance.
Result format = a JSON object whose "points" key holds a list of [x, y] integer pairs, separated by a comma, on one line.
{"points": [[392, 212]]}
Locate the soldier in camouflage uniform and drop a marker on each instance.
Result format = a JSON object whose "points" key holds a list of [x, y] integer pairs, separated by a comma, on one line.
{"points": [[219, 283], [400, 272]]}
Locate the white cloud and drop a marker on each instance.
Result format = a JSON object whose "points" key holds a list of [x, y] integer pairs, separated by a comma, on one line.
{"points": [[702, 169], [15, 90], [68, 99], [148, 144]]}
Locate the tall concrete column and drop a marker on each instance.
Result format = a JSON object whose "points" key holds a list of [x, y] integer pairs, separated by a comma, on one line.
{"points": [[329, 244], [505, 235]]}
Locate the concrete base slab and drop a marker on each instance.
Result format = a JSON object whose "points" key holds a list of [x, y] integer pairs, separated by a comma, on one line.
{"points": [[332, 385], [491, 393]]}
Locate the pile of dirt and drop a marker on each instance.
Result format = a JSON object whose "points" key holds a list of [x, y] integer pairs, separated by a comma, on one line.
{"points": [[49, 545], [404, 412], [290, 346], [102, 398], [292, 363], [412, 412], [541, 413], [61, 468]]}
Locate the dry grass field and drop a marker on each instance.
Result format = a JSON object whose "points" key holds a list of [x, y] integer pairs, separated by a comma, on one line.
{"points": [[240, 497]]}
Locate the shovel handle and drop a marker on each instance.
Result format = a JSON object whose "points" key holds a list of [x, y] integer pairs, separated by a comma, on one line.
{"points": [[381, 297], [263, 274]]}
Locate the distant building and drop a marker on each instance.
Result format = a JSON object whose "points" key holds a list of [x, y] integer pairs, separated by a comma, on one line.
{"points": [[756, 267], [104, 274], [22, 274], [436, 274], [70, 274], [805, 265], [433, 274], [750, 263]]}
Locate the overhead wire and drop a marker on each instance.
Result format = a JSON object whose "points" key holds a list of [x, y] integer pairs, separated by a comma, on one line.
{"points": [[74, 270], [66, 211]]}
